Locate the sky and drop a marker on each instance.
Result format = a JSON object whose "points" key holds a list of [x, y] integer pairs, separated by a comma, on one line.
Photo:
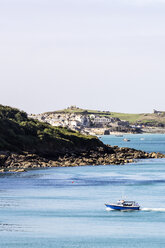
{"points": [[95, 54]]}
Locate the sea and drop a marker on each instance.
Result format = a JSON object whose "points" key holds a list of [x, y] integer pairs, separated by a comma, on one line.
{"points": [[64, 207]]}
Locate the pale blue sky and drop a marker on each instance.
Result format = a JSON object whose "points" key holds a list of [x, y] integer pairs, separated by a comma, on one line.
{"points": [[97, 54]]}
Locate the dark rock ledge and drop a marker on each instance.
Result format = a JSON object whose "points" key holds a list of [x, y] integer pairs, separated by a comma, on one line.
{"points": [[115, 155]]}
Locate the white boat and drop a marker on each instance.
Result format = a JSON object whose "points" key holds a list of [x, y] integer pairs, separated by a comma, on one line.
{"points": [[127, 140], [123, 205]]}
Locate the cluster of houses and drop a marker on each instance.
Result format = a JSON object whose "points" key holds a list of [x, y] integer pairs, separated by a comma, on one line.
{"points": [[89, 122], [80, 122], [71, 121]]}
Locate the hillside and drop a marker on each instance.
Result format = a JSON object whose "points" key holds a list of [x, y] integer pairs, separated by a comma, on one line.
{"points": [[148, 119], [75, 110], [19, 133]]}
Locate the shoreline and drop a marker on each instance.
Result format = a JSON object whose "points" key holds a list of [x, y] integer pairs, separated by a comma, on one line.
{"points": [[144, 130], [114, 155], [123, 133]]}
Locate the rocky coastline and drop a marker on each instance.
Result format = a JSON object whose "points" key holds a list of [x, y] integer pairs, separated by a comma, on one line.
{"points": [[27, 144], [114, 155]]}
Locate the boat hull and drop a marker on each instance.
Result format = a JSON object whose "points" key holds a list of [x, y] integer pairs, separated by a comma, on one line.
{"points": [[117, 207]]}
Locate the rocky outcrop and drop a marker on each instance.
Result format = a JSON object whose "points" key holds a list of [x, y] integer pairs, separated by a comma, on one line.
{"points": [[15, 162]]}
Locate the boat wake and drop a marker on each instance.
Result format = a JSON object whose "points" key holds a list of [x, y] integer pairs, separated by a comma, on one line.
{"points": [[153, 209], [109, 209], [142, 209]]}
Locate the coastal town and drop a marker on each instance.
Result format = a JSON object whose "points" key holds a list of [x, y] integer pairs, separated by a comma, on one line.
{"points": [[87, 122]]}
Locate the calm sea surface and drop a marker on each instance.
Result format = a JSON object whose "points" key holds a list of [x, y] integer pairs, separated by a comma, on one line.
{"points": [[64, 207]]}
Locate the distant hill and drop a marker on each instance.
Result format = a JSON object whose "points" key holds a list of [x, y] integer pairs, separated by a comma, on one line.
{"points": [[156, 119], [19, 133], [76, 110]]}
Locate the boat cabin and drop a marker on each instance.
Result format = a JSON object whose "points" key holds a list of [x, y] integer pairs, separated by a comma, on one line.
{"points": [[127, 203]]}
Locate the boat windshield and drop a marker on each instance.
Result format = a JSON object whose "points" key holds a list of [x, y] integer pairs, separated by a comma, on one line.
{"points": [[127, 203]]}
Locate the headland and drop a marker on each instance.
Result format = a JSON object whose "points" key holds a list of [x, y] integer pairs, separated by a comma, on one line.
{"points": [[27, 143]]}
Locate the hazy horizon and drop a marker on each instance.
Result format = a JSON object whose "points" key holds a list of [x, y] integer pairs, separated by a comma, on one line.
{"points": [[95, 54]]}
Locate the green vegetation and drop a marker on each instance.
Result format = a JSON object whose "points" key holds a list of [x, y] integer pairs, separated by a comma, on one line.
{"points": [[146, 119], [80, 111], [132, 118], [20, 133]]}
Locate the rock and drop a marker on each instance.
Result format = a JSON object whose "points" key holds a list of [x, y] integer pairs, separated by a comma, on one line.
{"points": [[153, 155], [136, 155], [17, 170], [67, 163], [20, 170], [73, 164], [82, 164], [90, 162], [110, 155], [100, 160], [26, 164]]}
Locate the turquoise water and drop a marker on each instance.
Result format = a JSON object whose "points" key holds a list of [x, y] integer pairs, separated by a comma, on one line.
{"points": [[64, 207], [147, 142]]}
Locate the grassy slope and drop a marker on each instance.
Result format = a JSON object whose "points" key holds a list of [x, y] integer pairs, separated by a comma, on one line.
{"points": [[19, 133], [79, 111], [153, 119], [132, 118]]}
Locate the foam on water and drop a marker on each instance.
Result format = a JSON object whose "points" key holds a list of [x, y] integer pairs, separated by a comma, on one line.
{"points": [[153, 209], [142, 209], [109, 209]]}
